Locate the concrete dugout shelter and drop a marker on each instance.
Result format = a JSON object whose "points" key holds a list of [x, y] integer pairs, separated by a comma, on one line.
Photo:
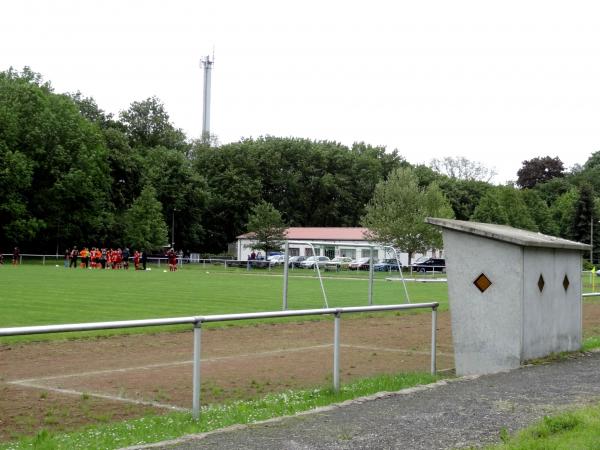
{"points": [[514, 294]]}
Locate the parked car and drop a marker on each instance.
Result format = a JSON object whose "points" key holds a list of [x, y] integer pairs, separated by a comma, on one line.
{"points": [[338, 263], [309, 263], [430, 265], [295, 261], [276, 259], [360, 264], [387, 265]]}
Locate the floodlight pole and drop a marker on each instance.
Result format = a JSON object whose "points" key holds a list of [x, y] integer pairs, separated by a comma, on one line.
{"points": [[207, 65]]}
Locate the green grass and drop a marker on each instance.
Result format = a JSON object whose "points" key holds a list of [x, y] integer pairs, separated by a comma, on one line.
{"points": [[39, 295], [156, 428], [579, 429]]}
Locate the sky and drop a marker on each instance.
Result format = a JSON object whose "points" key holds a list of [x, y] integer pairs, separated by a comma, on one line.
{"points": [[495, 82]]}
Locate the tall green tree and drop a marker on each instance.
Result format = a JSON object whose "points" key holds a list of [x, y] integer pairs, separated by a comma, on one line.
{"points": [[563, 212], [267, 226], [396, 213], [180, 190], [490, 209], [58, 158], [463, 195], [504, 205], [312, 183], [147, 125], [144, 227], [583, 214], [540, 212]]}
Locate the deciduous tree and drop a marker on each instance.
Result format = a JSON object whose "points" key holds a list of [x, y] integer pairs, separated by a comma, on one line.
{"points": [[145, 228], [396, 213], [461, 168], [539, 170], [267, 226]]}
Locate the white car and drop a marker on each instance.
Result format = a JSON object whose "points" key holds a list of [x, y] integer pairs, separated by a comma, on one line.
{"points": [[309, 263], [276, 259]]}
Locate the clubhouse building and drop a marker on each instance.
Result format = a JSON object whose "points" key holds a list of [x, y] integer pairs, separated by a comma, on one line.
{"points": [[332, 242]]}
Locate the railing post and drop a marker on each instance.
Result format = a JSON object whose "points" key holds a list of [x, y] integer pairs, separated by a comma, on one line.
{"points": [[43, 260], [286, 262], [336, 352], [433, 338], [371, 263], [196, 369]]}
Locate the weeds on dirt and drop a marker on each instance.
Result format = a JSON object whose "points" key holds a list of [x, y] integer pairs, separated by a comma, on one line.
{"points": [[153, 428]]}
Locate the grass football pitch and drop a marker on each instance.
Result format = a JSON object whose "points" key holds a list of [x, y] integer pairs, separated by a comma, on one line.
{"points": [[40, 295]]}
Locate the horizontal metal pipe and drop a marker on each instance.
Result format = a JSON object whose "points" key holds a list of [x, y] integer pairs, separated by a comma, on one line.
{"points": [[16, 331], [591, 294], [91, 326]]}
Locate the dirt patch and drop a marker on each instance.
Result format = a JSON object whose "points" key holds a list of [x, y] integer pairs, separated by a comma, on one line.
{"points": [[65, 384]]}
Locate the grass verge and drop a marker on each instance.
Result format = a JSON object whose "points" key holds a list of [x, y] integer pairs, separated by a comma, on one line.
{"points": [[591, 343], [155, 428], [579, 429]]}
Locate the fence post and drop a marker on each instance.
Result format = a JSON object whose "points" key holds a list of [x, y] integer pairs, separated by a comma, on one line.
{"points": [[433, 338], [286, 261], [196, 369], [43, 260], [336, 352]]}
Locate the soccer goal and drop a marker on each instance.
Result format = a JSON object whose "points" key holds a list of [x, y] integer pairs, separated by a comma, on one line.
{"points": [[314, 244]]}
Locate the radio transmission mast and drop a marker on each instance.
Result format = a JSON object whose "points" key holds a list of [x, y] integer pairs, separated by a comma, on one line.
{"points": [[206, 63]]}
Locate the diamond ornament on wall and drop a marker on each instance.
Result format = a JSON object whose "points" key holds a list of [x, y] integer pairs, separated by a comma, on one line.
{"points": [[566, 282], [482, 282], [541, 283]]}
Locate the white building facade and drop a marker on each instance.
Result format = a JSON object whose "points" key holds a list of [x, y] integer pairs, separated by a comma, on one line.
{"points": [[332, 242]]}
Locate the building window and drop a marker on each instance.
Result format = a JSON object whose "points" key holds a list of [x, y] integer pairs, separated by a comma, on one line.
{"points": [[348, 252], [294, 251]]}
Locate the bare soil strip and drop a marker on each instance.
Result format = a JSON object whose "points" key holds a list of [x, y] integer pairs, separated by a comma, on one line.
{"points": [[61, 385]]}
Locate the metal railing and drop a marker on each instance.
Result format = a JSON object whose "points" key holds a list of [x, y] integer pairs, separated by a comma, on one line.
{"points": [[197, 322]]}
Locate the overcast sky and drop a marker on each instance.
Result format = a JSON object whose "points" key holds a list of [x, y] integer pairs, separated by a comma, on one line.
{"points": [[497, 82]]}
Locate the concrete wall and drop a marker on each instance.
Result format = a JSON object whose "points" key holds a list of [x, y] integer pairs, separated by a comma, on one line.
{"points": [[552, 317], [487, 327]]}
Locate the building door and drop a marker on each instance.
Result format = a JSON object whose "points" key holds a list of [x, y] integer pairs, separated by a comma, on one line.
{"points": [[330, 252]]}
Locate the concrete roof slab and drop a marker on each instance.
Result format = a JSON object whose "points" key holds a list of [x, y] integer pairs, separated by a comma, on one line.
{"points": [[505, 233]]}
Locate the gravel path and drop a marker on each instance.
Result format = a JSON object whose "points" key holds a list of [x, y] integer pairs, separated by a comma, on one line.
{"points": [[460, 413]]}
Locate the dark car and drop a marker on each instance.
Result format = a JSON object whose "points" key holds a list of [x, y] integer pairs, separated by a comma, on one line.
{"points": [[387, 265], [295, 261], [430, 265]]}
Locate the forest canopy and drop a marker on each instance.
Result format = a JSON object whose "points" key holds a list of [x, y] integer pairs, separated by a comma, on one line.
{"points": [[71, 174]]}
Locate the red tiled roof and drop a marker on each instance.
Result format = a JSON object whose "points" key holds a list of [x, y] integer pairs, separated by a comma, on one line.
{"points": [[321, 233]]}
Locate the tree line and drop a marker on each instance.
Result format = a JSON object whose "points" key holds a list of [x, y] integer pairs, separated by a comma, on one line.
{"points": [[71, 174]]}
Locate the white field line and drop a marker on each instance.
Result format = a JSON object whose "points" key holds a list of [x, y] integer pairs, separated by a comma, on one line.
{"points": [[97, 395], [38, 383], [214, 359], [169, 364], [394, 350]]}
